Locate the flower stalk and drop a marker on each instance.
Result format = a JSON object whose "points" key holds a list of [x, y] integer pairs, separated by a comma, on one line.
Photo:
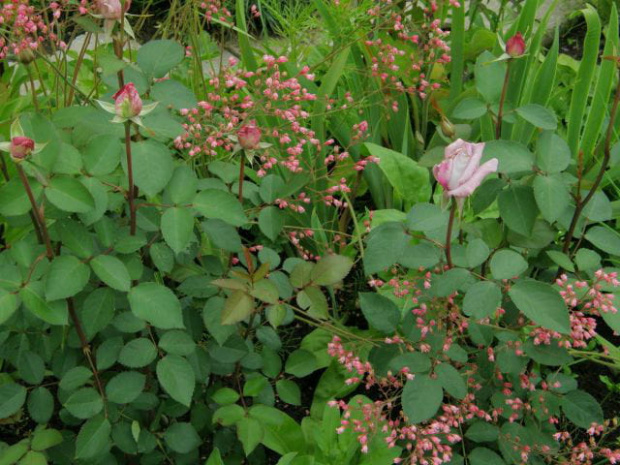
{"points": [[131, 192], [449, 234]]}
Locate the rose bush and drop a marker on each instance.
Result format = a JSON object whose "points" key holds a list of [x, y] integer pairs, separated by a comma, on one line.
{"points": [[247, 260]]}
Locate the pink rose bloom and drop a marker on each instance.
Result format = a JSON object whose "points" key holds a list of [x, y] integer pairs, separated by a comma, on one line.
{"points": [[515, 46], [110, 9], [249, 136], [127, 102], [460, 173], [21, 147]]}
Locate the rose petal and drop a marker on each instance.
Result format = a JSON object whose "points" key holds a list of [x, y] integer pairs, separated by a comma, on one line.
{"points": [[472, 184]]}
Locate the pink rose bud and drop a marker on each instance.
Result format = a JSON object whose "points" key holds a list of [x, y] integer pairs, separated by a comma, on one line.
{"points": [[249, 136], [110, 9], [21, 147], [515, 46], [127, 102], [460, 173]]}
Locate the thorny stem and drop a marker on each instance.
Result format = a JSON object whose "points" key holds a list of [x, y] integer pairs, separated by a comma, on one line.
{"points": [[449, 235], [131, 192], [502, 101], [38, 217], [70, 304], [581, 204]]}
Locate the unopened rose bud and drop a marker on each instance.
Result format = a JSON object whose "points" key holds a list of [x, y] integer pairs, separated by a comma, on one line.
{"points": [[447, 128], [25, 56], [515, 46], [249, 136], [21, 147], [127, 102]]}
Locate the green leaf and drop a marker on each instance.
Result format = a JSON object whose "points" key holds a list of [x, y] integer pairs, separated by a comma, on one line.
{"points": [[213, 203], [477, 252], [481, 431], [484, 456], [152, 166], [67, 276], [45, 438], [552, 196], [288, 391], [271, 222], [84, 403], [421, 398], [482, 300], [177, 342], [552, 153], [171, 93], [54, 313], [177, 378], [239, 305], [102, 154], [182, 437], [156, 304], [125, 387], [31, 367], [451, 380], [582, 409], [386, 245], [215, 458], [538, 116], [40, 405], [93, 440], [513, 157], [489, 75], [70, 195], [8, 304], [225, 396], [12, 397], [112, 272], [605, 239], [228, 414], [426, 217], [13, 198], [517, 207], [182, 185], [177, 227], [410, 180], [75, 236], [137, 353], [380, 312], [250, 433], [331, 269], [561, 259], [507, 264], [223, 235], [542, 304], [300, 363], [470, 108], [74, 378], [157, 57]]}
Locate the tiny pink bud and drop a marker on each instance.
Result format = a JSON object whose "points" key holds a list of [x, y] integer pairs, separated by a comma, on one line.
{"points": [[21, 147], [127, 102], [249, 136], [515, 46]]}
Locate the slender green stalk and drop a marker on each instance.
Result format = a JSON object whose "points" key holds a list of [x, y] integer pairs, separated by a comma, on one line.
{"points": [[131, 190], [38, 217], [449, 234], [502, 101]]}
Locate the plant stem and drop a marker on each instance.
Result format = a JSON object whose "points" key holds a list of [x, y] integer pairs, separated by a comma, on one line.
{"points": [[241, 176], [39, 220], [449, 235], [131, 190], [33, 89], [502, 101], [581, 204], [70, 304]]}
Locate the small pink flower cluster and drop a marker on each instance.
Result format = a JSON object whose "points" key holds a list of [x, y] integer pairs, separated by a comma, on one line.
{"points": [[24, 29], [590, 452], [216, 9]]}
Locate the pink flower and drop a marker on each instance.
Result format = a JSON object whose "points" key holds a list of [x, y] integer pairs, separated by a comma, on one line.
{"points": [[21, 147], [249, 136], [515, 46], [460, 173], [127, 102], [111, 9]]}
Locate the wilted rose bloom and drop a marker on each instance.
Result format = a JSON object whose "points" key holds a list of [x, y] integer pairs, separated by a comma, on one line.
{"points": [[249, 136], [460, 173], [515, 46], [127, 102], [21, 147], [110, 9]]}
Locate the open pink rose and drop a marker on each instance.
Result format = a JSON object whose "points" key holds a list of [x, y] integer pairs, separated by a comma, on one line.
{"points": [[249, 136], [127, 102], [460, 173], [110, 9], [21, 147]]}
